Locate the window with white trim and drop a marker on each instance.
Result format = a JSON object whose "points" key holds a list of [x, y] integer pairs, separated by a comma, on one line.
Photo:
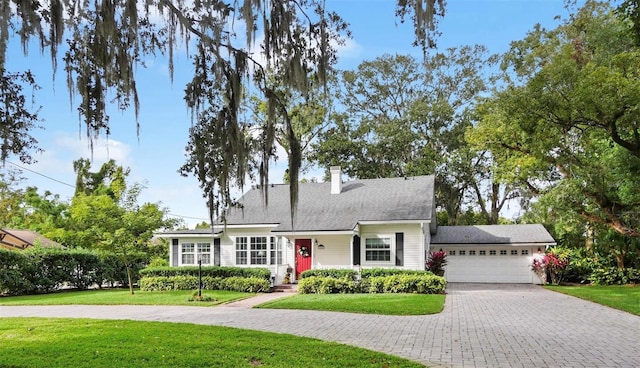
{"points": [[258, 248], [472, 252], [241, 250], [275, 246], [462, 252], [452, 252], [377, 249], [188, 255], [483, 252], [492, 252], [204, 253], [514, 252], [503, 252], [525, 252]]}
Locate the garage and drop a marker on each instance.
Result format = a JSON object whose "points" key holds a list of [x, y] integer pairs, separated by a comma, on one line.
{"points": [[491, 253]]}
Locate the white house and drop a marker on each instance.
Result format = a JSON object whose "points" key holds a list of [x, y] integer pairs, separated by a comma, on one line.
{"points": [[359, 223]]}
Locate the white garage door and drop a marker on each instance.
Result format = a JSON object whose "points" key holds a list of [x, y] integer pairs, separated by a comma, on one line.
{"points": [[489, 264]]}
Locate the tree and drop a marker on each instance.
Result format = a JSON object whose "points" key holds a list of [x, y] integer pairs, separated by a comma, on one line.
{"points": [[403, 118], [566, 125], [113, 223], [105, 41]]}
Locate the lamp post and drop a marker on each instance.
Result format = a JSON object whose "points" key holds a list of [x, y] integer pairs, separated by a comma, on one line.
{"points": [[199, 277]]}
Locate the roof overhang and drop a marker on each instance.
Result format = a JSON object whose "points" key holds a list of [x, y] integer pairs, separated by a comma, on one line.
{"points": [[394, 222], [314, 232], [494, 244]]}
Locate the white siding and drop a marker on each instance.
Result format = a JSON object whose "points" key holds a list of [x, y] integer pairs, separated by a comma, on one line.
{"points": [[336, 252], [413, 244]]}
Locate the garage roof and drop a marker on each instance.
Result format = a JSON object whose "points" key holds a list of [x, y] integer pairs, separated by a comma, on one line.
{"points": [[493, 234]]}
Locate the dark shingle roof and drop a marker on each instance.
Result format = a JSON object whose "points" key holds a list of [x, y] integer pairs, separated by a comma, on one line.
{"points": [[360, 200], [492, 234]]}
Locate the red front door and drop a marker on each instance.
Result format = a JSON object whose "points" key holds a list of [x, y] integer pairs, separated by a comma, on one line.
{"points": [[303, 256]]}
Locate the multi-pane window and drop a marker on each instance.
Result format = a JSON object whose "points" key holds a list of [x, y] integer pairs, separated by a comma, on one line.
{"points": [[483, 252], [525, 252], [514, 252], [452, 252], [492, 252], [378, 249], [503, 252], [204, 252], [463, 252], [241, 250], [472, 252], [258, 250], [188, 256], [275, 246]]}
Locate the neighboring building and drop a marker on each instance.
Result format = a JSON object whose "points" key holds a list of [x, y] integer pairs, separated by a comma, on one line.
{"points": [[360, 223], [21, 239]]}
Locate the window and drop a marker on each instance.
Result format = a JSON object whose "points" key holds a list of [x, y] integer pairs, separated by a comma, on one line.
{"points": [[241, 250], [462, 252], [483, 252], [452, 252], [472, 252], [503, 252], [514, 252], [204, 252], [492, 252], [188, 256], [377, 249], [525, 252], [275, 245], [258, 250]]}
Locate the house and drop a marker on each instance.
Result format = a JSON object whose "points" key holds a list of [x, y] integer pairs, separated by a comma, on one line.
{"points": [[360, 223], [21, 239]]}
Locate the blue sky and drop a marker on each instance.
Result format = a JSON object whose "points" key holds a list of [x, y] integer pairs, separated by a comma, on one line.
{"points": [[155, 156]]}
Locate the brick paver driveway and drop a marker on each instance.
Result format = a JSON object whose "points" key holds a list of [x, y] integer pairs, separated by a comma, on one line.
{"points": [[482, 325]]}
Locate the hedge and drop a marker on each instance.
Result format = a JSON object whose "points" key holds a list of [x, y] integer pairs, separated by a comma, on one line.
{"points": [[211, 271], [330, 272], [43, 270], [374, 272], [408, 283], [189, 282]]}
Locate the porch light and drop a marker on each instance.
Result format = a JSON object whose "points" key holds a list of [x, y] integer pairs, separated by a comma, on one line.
{"points": [[321, 246]]}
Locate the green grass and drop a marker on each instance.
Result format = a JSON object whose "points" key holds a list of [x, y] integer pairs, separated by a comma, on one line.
{"points": [[40, 342], [122, 296], [622, 297], [390, 304]]}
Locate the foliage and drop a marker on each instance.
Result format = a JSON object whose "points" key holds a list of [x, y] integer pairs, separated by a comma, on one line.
{"points": [[249, 284], [212, 271], [564, 124], [436, 262], [383, 304], [373, 272], [553, 264], [44, 270], [394, 283], [178, 345], [615, 276], [329, 272]]}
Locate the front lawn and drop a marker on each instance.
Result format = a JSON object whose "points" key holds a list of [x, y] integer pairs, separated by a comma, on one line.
{"points": [[622, 297], [122, 296], [78, 343], [390, 304]]}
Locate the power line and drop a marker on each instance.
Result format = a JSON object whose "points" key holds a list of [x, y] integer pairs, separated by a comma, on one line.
{"points": [[73, 186]]}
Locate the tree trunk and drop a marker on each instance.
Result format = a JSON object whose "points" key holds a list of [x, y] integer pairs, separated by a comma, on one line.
{"points": [[129, 277]]}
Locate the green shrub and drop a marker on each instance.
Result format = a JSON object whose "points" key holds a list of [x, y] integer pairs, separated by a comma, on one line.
{"points": [[327, 285], [189, 282], [212, 271], [12, 280], [246, 284], [335, 273], [615, 276], [373, 272]]}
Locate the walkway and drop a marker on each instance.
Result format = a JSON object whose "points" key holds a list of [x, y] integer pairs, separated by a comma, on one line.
{"points": [[482, 325]]}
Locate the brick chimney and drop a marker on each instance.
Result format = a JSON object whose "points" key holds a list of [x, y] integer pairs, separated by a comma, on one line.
{"points": [[336, 180]]}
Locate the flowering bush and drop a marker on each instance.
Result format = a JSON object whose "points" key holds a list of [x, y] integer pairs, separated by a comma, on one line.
{"points": [[436, 262], [551, 264]]}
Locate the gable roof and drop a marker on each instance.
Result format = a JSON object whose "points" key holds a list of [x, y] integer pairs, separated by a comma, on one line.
{"points": [[493, 234], [385, 200], [21, 239]]}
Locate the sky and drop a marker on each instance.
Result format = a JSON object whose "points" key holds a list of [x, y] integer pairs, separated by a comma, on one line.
{"points": [[155, 155]]}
